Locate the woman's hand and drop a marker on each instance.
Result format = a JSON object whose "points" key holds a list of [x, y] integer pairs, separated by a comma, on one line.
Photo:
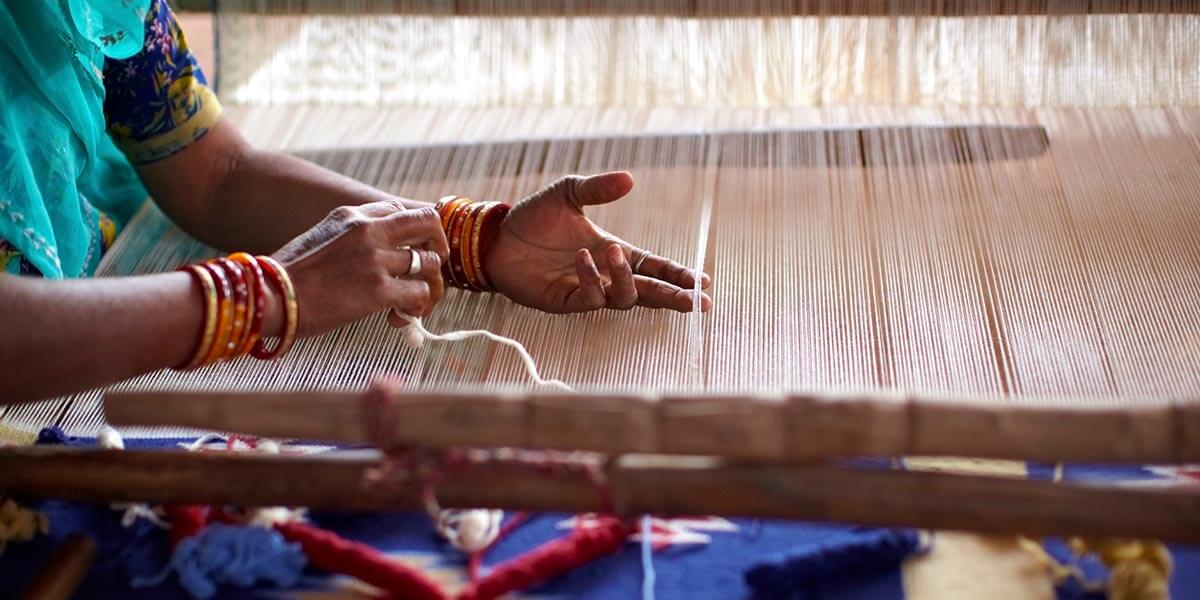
{"points": [[356, 262], [549, 256]]}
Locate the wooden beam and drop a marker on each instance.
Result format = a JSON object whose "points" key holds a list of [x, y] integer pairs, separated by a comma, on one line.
{"points": [[778, 428], [637, 484]]}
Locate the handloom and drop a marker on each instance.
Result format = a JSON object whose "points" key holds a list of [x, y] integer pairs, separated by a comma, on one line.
{"points": [[934, 228]]}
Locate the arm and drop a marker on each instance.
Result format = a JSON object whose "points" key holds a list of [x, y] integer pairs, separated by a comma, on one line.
{"points": [[63, 336], [232, 196]]}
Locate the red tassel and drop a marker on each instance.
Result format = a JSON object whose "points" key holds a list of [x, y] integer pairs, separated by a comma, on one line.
{"points": [[186, 520], [550, 560], [330, 552]]}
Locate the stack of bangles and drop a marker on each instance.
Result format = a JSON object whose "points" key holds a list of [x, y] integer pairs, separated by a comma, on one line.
{"points": [[470, 228], [235, 303]]}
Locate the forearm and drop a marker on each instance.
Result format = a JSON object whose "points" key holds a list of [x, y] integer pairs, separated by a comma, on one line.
{"points": [[67, 336], [269, 198], [231, 196]]}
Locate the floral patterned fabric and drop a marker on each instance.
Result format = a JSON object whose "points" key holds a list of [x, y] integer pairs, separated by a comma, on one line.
{"points": [[155, 104], [158, 101]]}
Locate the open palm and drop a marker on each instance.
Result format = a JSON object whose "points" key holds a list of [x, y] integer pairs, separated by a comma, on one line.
{"points": [[549, 255]]}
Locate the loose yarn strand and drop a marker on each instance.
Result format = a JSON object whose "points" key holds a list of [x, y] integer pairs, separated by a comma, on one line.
{"points": [[416, 334], [648, 575]]}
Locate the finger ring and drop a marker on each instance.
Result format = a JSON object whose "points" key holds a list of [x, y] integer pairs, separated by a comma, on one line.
{"points": [[637, 264], [414, 264]]}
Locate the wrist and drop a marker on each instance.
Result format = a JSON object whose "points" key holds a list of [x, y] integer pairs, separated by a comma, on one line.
{"points": [[471, 229], [244, 299]]}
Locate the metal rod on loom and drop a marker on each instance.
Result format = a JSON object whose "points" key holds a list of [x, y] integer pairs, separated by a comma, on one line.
{"points": [[635, 484], [796, 427]]}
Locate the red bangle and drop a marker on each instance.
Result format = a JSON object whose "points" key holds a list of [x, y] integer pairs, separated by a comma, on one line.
{"points": [[240, 325], [258, 295], [491, 227], [453, 265]]}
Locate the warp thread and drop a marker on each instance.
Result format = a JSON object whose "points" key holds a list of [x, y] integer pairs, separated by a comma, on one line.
{"points": [[230, 554], [793, 572], [20, 524], [415, 336]]}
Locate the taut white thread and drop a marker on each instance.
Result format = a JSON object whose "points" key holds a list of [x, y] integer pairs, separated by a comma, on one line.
{"points": [[415, 335]]}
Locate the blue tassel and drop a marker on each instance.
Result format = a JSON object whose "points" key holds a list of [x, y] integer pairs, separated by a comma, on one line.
{"points": [[793, 572], [231, 554]]}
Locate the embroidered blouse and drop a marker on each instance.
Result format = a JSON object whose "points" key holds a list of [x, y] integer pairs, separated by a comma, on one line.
{"points": [[156, 103]]}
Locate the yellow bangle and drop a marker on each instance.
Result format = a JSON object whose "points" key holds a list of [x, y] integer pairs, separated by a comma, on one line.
{"points": [[224, 325], [291, 310], [208, 331]]}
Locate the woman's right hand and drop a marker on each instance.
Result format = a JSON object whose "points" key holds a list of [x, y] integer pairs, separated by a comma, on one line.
{"points": [[355, 263]]}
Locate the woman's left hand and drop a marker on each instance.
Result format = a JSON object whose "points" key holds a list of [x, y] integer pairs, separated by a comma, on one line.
{"points": [[549, 256]]}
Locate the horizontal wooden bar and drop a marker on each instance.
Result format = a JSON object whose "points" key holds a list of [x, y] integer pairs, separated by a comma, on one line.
{"points": [[792, 428], [637, 484], [695, 8]]}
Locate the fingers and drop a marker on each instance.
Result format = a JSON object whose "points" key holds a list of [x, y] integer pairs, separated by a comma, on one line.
{"points": [[600, 189], [409, 296], [622, 294], [590, 295], [399, 263], [669, 271], [655, 293], [420, 227], [397, 319]]}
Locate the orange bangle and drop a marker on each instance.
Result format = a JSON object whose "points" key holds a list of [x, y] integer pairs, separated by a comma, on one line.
{"points": [[257, 301], [224, 312], [240, 325], [466, 248], [454, 264], [208, 329], [446, 207], [291, 310]]}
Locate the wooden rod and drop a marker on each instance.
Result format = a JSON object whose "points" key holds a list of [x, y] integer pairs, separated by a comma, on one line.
{"points": [[637, 484], [698, 8], [64, 571], [794, 428]]}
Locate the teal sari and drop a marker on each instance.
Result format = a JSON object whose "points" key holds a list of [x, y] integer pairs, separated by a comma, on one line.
{"points": [[59, 169]]}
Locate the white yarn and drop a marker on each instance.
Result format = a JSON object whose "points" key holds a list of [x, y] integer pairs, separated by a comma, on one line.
{"points": [[470, 530], [415, 335], [131, 512], [109, 439]]}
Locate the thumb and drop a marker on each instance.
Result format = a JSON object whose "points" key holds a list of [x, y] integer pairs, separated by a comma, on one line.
{"points": [[603, 188]]}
